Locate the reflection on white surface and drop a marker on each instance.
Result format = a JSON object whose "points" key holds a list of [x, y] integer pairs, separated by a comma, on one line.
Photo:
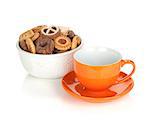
{"points": [[40, 87], [46, 88], [52, 90]]}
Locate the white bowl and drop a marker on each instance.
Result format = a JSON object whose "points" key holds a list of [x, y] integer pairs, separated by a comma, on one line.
{"points": [[48, 66]]}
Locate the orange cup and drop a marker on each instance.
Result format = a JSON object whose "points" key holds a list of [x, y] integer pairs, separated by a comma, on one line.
{"points": [[99, 68]]}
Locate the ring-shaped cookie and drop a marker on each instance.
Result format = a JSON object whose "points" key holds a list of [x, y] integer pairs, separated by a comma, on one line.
{"points": [[62, 43]]}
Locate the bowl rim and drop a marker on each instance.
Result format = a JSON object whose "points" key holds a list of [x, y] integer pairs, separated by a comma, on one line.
{"points": [[60, 54]]}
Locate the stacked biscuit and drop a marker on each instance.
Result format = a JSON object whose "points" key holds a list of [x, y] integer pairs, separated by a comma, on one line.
{"points": [[49, 40]]}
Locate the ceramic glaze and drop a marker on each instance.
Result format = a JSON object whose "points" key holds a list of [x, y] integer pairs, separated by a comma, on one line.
{"points": [[99, 68], [74, 88]]}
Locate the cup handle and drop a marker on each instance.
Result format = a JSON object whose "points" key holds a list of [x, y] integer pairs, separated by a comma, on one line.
{"points": [[124, 62]]}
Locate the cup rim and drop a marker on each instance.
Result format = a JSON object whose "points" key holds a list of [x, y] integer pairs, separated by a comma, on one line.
{"points": [[60, 54], [79, 61]]}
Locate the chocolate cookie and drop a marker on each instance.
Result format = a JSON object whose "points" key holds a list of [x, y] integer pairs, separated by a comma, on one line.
{"points": [[44, 45], [70, 34]]}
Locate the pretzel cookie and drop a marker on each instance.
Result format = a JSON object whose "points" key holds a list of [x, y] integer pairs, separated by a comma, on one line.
{"points": [[62, 43], [51, 31], [26, 35], [30, 45], [75, 42]]}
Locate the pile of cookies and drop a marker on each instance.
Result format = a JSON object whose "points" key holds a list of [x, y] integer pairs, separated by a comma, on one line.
{"points": [[49, 40]]}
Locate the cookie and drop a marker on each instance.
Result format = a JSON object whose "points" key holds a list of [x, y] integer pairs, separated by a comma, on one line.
{"points": [[78, 39], [23, 45], [70, 34], [38, 28], [44, 45], [26, 35], [49, 40], [62, 43], [75, 42], [36, 36], [30, 45], [51, 31]]}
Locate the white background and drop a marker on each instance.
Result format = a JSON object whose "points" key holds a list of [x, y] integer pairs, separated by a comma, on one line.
{"points": [[120, 24]]}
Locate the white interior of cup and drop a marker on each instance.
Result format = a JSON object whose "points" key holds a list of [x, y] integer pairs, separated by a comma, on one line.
{"points": [[97, 56]]}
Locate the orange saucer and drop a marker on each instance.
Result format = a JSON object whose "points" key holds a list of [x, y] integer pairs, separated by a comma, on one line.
{"points": [[74, 88]]}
